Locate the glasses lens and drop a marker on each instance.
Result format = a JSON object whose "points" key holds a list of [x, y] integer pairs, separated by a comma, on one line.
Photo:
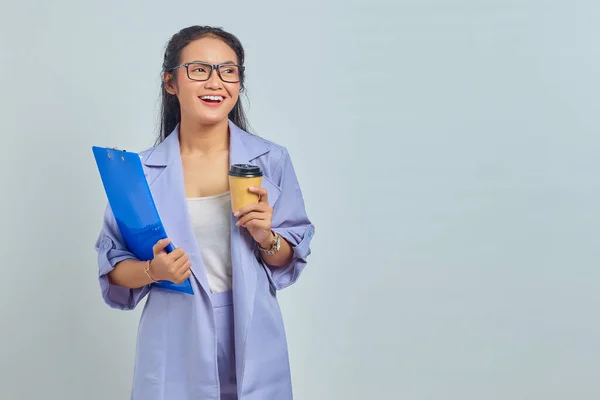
{"points": [[230, 73], [198, 71]]}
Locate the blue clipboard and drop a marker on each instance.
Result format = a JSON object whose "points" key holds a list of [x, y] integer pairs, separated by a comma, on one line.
{"points": [[133, 206]]}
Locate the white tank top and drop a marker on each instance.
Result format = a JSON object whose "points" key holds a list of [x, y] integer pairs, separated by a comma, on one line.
{"points": [[210, 221]]}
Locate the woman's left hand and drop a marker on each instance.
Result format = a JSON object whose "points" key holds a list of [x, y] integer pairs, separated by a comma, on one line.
{"points": [[256, 217]]}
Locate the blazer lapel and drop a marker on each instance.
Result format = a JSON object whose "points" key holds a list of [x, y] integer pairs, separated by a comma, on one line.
{"points": [[168, 189]]}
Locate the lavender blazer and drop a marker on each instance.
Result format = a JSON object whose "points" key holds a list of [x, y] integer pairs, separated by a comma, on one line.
{"points": [[176, 348]]}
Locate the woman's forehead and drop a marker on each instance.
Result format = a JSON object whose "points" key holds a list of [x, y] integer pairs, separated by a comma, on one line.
{"points": [[210, 50]]}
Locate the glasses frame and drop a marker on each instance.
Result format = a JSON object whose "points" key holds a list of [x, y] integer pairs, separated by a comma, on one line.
{"points": [[213, 67]]}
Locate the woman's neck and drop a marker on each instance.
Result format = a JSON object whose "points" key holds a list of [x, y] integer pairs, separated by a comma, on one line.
{"points": [[203, 139]]}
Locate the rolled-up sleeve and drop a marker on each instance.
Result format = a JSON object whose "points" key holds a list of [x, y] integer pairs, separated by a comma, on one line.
{"points": [[291, 222], [111, 250]]}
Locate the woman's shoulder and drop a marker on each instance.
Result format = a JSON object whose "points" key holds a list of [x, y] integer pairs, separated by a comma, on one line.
{"points": [[267, 151], [146, 151], [272, 157], [269, 145]]}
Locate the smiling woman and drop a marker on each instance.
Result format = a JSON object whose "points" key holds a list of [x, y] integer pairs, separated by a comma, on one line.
{"points": [[227, 340], [200, 51], [201, 58]]}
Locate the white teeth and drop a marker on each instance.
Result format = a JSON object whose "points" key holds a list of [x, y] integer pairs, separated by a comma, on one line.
{"points": [[215, 98]]}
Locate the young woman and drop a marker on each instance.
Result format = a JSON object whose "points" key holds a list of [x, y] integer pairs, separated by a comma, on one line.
{"points": [[227, 340]]}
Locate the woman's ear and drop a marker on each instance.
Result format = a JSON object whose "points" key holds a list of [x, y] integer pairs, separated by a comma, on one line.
{"points": [[169, 83]]}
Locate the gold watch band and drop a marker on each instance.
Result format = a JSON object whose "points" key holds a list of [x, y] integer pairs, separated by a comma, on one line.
{"points": [[274, 248]]}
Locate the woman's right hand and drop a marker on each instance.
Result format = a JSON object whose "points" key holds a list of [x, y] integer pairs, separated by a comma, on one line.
{"points": [[174, 266]]}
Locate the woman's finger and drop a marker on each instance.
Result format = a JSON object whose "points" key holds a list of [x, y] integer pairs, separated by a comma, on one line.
{"points": [[185, 267], [258, 224], [262, 193], [250, 216], [262, 207], [182, 264]]}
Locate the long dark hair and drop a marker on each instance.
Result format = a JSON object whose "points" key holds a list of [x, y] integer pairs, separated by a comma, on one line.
{"points": [[170, 114]]}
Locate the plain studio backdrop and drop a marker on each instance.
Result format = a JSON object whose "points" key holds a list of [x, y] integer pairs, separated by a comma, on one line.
{"points": [[448, 154]]}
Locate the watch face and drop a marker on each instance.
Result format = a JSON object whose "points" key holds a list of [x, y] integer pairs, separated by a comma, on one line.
{"points": [[275, 246]]}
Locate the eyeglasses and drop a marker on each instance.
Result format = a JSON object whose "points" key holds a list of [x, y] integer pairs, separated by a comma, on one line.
{"points": [[199, 71]]}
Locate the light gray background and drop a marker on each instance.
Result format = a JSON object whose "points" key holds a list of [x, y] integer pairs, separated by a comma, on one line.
{"points": [[448, 152]]}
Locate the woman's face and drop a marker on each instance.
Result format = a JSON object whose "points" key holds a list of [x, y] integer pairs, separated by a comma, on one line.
{"points": [[192, 94]]}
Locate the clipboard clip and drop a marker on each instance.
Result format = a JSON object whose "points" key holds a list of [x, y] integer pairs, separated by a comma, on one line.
{"points": [[116, 149]]}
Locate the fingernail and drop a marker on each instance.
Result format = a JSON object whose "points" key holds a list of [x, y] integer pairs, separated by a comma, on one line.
{"points": [[237, 213]]}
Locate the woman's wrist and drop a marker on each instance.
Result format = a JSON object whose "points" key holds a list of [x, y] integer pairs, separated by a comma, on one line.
{"points": [[268, 243], [148, 271]]}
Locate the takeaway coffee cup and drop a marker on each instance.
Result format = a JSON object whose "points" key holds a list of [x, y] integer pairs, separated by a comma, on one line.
{"points": [[241, 178]]}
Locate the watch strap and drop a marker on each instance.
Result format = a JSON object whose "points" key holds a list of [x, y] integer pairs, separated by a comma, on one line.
{"points": [[275, 245]]}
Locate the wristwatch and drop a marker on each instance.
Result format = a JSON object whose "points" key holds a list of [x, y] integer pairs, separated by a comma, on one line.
{"points": [[275, 245]]}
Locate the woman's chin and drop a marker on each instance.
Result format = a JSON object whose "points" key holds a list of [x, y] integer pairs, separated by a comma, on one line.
{"points": [[208, 120]]}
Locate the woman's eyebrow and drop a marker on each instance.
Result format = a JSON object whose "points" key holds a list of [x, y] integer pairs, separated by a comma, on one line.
{"points": [[206, 62]]}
